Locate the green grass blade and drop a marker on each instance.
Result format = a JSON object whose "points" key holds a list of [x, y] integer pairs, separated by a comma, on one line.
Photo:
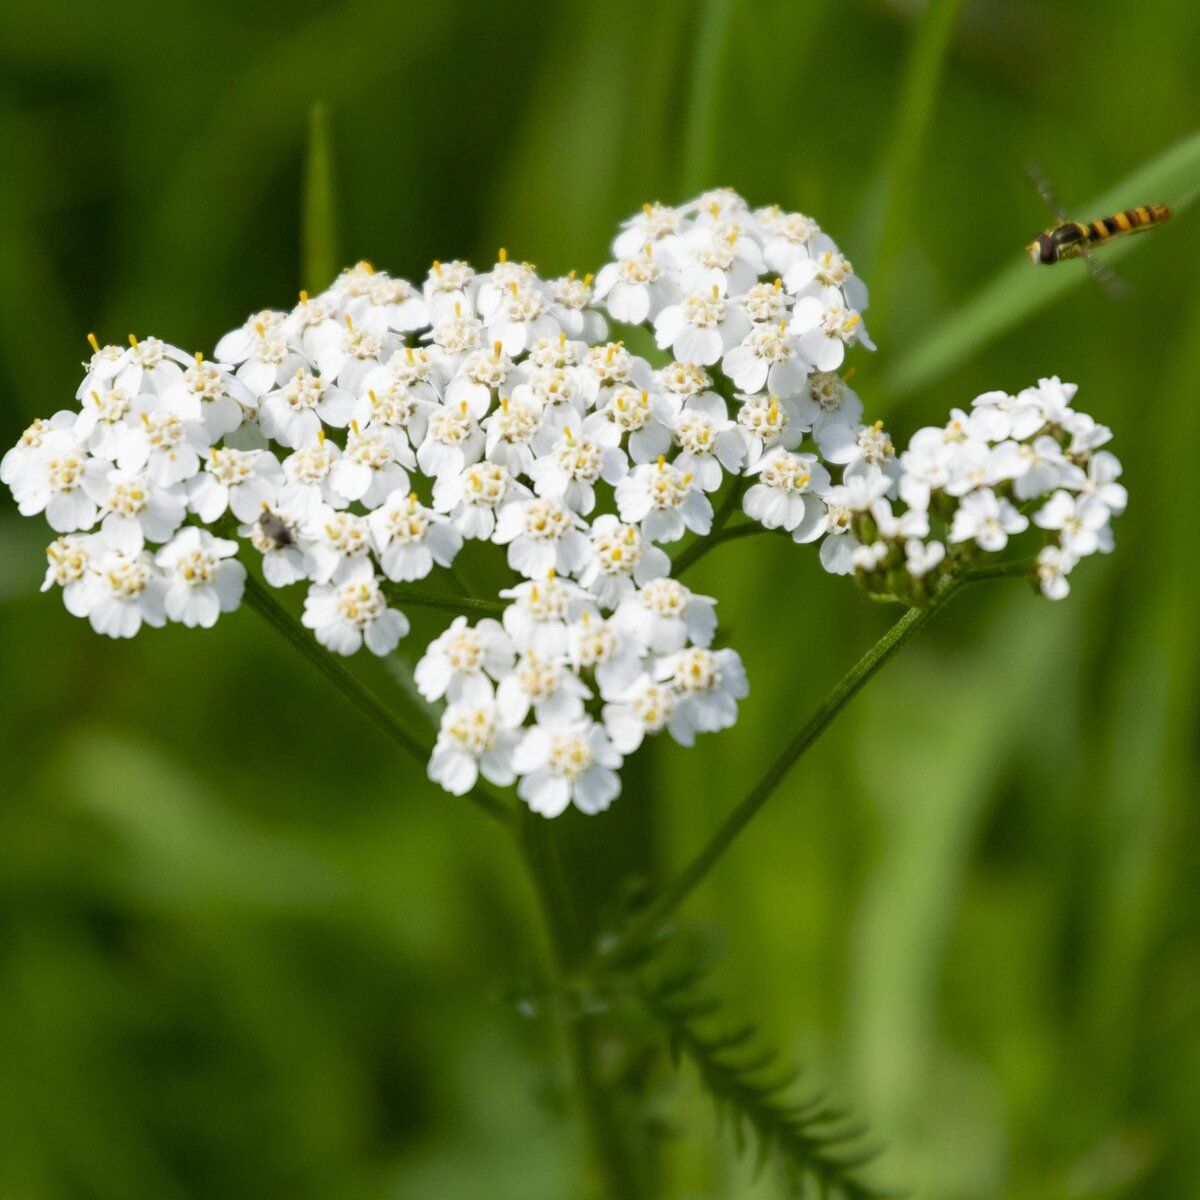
{"points": [[907, 145], [1021, 290], [699, 139], [319, 256]]}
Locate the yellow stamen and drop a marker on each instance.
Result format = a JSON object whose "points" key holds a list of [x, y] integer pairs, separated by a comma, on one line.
{"points": [[716, 292], [497, 347], [504, 403], [437, 267], [877, 427], [368, 267], [258, 328], [303, 296], [354, 426], [778, 283], [587, 279], [321, 436], [410, 354], [687, 479], [199, 358], [133, 341], [662, 461], [849, 375], [349, 322], [95, 345], [550, 574], [463, 406], [503, 256]]}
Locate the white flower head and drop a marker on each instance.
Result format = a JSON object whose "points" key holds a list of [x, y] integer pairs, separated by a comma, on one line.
{"points": [[987, 520], [473, 740], [665, 616], [351, 611], [463, 662], [203, 579], [411, 538], [565, 760], [664, 500], [708, 684]]}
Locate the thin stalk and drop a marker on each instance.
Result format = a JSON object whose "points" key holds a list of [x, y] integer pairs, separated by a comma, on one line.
{"points": [[259, 599], [647, 924], [697, 550], [616, 1177], [403, 594]]}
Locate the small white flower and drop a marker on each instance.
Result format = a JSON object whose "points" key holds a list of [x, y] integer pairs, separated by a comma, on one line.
{"points": [[987, 520], [638, 288], [825, 332], [1081, 523], [308, 473], [472, 741], [768, 357], [701, 328], [576, 463], [259, 351], [839, 544], [278, 535], [656, 224], [641, 415], [621, 558], [1034, 469], [136, 510], [542, 535], [60, 478], [510, 432], [411, 538], [293, 414], [547, 685], [643, 708], [241, 481], [664, 500], [609, 649], [787, 237], [346, 352], [787, 494], [922, 557], [767, 422], [539, 613], [708, 683], [665, 616], [72, 567], [203, 579], [332, 538], [473, 497], [372, 466], [351, 610], [709, 442], [448, 438], [828, 277], [223, 400], [859, 450], [567, 760], [130, 591], [462, 663], [1054, 564], [828, 401], [1103, 471]]}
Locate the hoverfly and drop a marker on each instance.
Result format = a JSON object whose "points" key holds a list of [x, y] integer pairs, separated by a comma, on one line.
{"points": [[1076, 239]]}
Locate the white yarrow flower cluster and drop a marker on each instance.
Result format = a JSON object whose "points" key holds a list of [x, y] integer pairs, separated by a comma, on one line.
{"points": [[356, 442]]}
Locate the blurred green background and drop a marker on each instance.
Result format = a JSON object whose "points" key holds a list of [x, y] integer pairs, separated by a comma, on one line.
{"points": [[245, 949]]}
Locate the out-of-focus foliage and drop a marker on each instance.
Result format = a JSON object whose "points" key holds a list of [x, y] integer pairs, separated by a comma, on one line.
{"points": [[246, 951]]}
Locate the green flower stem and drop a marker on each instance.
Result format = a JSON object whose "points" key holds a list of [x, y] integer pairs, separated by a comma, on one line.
{"points": [[651, 920], [697, 550], [616, 1178], [400, 593], [259, 599]]}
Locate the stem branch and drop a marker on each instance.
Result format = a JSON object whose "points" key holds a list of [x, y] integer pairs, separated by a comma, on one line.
{"points": [[259, 599], [648, 923]]}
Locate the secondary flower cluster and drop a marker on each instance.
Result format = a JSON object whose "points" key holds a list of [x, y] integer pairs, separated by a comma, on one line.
{"points": [[355, 442]]}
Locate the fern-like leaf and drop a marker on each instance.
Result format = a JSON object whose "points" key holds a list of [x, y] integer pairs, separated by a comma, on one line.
{"points": [[817, 1149]]}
